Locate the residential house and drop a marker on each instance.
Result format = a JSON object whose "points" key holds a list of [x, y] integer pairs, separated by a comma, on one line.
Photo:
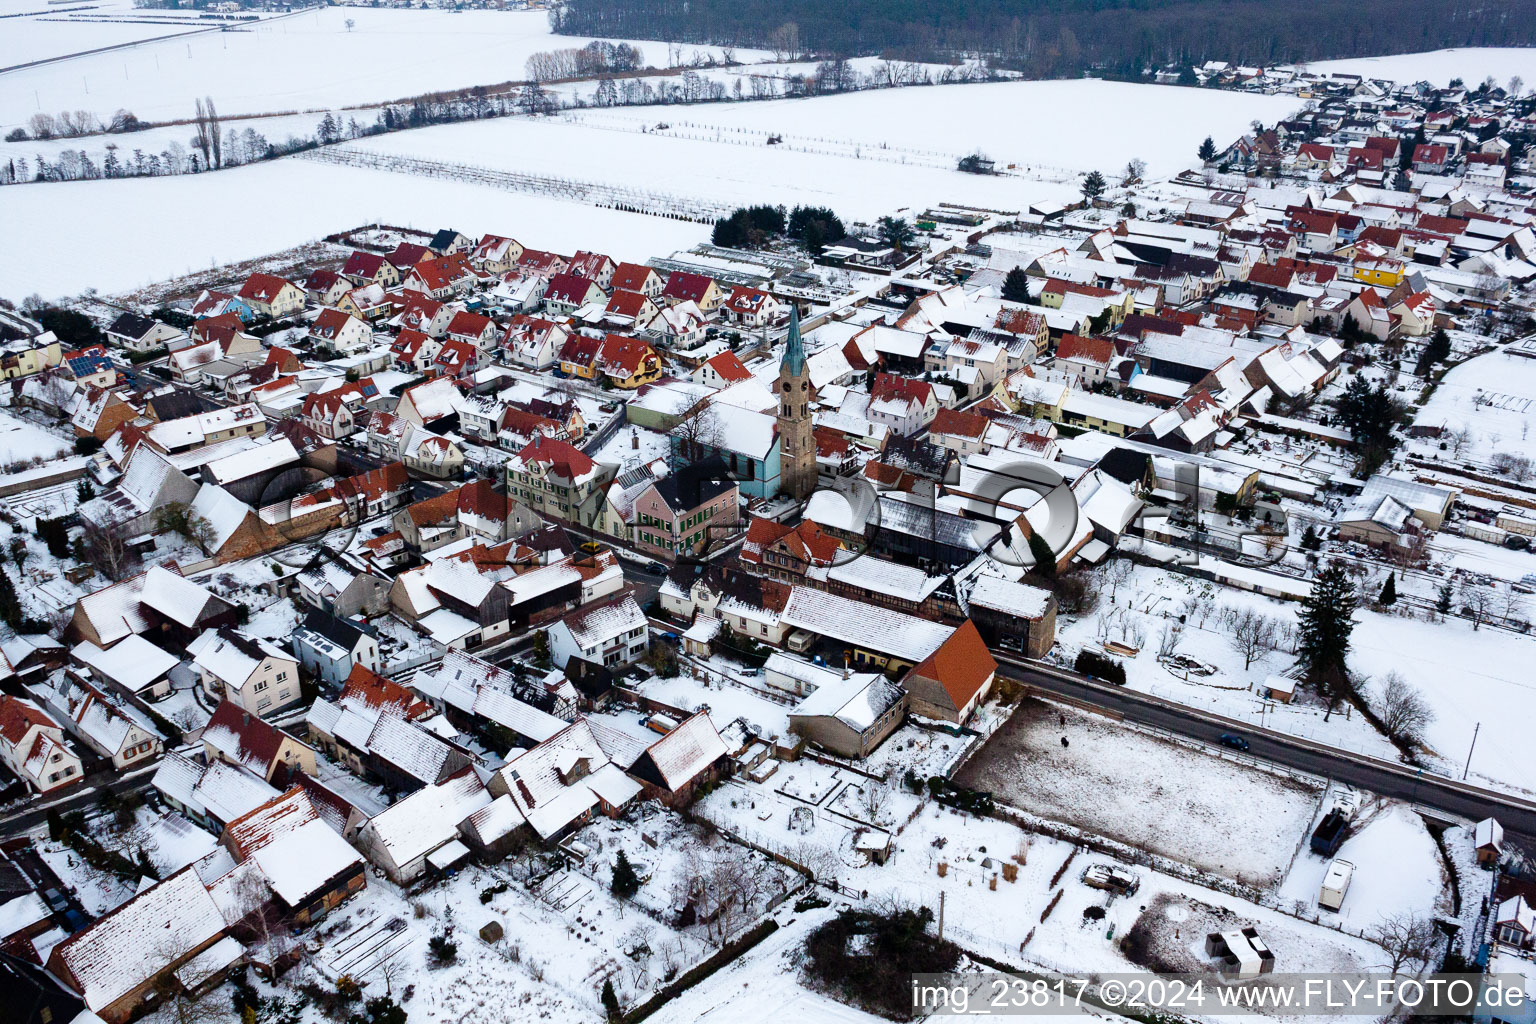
{"points": [[32, 746], [138, 333], [272, 296], [636, 277], [568, 292], [249, 671], [612, 633], [341, 332], [328, 647], [112, 728], [305, 862], [553, 478], [702, 291]]}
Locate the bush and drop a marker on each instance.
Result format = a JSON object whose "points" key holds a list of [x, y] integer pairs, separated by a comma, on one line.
{"points": [[1092, 663], [490, 893], [443, 949], [87, 445], [875, 972]]}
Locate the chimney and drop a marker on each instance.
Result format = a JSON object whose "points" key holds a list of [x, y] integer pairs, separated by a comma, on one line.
{"points": [[634, 439], [245, 718]]}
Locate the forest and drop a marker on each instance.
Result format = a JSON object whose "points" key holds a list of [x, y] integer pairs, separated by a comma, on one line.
{"points": [[1053, 38]]}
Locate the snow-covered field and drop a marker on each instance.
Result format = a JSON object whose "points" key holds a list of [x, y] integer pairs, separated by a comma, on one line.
{"points": [[1073, 124], [308, 61], [1493, 396], [178, 225], [1230, 819], [38, 31], [1438, 67]]}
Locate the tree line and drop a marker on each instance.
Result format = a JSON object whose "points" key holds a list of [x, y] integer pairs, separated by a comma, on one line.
{"points": [[1063, 37]]}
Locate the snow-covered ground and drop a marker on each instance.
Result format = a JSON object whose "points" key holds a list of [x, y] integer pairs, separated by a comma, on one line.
{"points": [[1493, 397], [1437, 67], [38, 31], [300, 201], [1217, 814], [305, 62], [1088, 124]]}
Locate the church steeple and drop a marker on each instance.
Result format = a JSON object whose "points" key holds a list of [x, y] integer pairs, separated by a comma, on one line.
{"points": [[794, 349], [797, 440]]}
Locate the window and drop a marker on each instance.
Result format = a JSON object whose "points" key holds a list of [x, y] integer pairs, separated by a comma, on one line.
{"points": [[282, 677], [259, 686]]}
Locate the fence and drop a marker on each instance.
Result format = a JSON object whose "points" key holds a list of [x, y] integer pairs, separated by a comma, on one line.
{"points": [[618, 197]]}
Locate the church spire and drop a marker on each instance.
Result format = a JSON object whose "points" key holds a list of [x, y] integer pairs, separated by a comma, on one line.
{"points": [[794, 349]]}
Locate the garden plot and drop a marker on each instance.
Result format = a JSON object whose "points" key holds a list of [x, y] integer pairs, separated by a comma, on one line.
{"points": [[1152, 794], [1397, 871], [1493, 398], [1047, 917]]}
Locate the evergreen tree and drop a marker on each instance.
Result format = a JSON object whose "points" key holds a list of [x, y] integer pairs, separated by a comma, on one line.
{"points": [[1326, 621], [1388, 591], [625, 882], [10, 606], [85, 492], [1208, 149], [1310, 540], [1016, 285], [897, 233], [1045, 558], [1436, 350], [1093, 185], [610, 1000], [379, 1010], [1443, 600]]}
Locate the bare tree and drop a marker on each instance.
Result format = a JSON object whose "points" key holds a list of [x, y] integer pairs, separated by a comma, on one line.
{"points": [[1514, 605], [1135, 168], [1168, 640], [698, 433], [1459, 438], [351, 24], [872, 800], [107, 550], [1478, 601], [1117, 572], [785, 41], [1410, 941], [1405, 714], [178, 1005], [1253, 635]]}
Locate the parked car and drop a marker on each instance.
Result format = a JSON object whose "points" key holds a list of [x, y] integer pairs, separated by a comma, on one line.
{"points": [[657, 568], [1233, 740], [56, 900]]}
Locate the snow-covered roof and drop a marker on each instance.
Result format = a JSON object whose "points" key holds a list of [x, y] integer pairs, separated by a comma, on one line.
{"points": [[134, 663], [857, 701], [176, 598], [427, 818], [1017, 599], [153, 930], [297, 851], [880, 629], [687, 750], [592, 627]]}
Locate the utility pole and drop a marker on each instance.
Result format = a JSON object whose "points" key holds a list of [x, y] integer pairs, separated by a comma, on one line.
{"points": [[1468, 766], [942, 894]]}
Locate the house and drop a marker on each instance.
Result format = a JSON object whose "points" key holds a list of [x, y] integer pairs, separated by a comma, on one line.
{"points": [[593, 266], [751, 307], [674, 767], [337, 587], [89, 367], [702, 291], [612, 633], [1514, 923], [534, 342], [158, 604], [554, 478], [99, 413], [1013, 616], [340, 332], [305, 862], [134, 665], [414, 351], [245, 670], [403, 839], [961, 432], [326, 287], [328, 647], [952, 681], [628, 362], [555, 786], [116, 962], [568, 292], [849, 714], [690, 511], [272, 296], [904, 404], [236, 736], [211, 793], [407, 254], [495, 254], [721, 371], [32, 746], [627, 310], [680, 327], [1430, 158], [138, 333], [442, 278], [1370, 314], [364, 268], [111, 728], [636, 277]]}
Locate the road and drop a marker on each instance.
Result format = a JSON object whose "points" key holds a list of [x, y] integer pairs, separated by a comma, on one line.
{"points": [[81, 799], [1398, 781]]}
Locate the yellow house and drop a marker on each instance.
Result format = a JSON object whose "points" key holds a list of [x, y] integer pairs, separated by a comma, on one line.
{"points": [[628, 362], [1384, 272], [27, 356], [579, 356]]}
